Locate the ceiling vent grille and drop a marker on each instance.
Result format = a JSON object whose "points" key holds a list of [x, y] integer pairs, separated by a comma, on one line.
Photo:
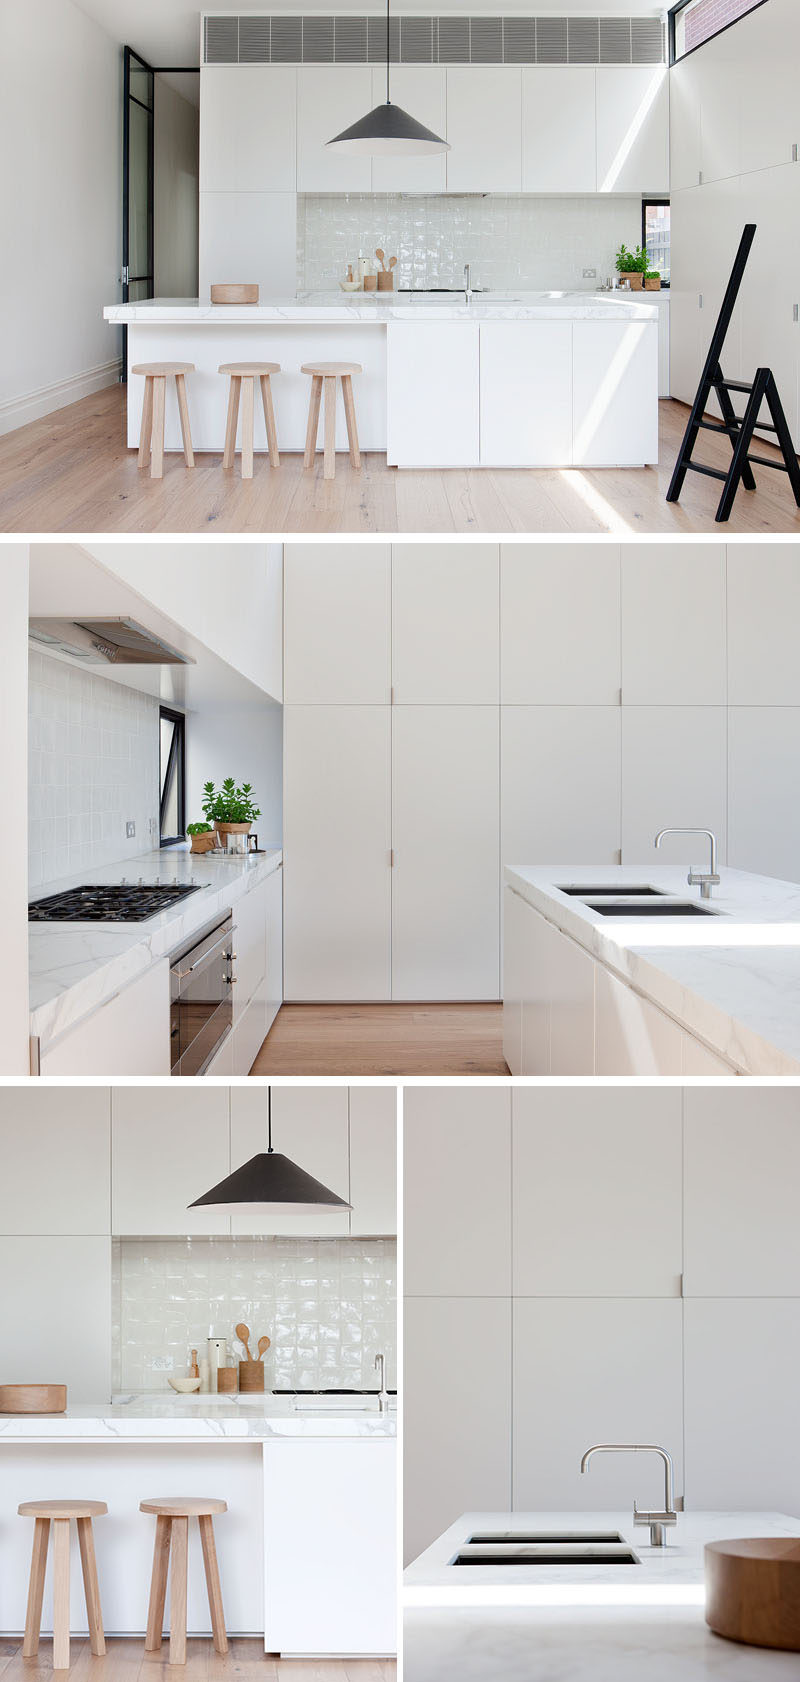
{"points": [[277, 39]]}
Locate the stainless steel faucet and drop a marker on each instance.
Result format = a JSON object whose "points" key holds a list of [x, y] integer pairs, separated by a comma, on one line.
{"points": [[468, 283], [696, 878], [656, 1521], [383, 1394]]}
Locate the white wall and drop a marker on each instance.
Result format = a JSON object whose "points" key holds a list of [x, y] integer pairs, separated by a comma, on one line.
{"points": [[243, 742], [175, 192], [60, 207], [599, 1264], [14, 764]]}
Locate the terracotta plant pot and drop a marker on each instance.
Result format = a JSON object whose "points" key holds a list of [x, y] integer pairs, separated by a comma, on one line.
{"points": [[635, 279], [653, 285], [204, 843]]}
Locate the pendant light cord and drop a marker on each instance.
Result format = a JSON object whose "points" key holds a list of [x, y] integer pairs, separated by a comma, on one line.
{"points": [[388, 101], [269, 1121]]}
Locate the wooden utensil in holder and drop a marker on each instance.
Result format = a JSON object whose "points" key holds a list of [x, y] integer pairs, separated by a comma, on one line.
{"points": [[251, 1378], [234, 292], [34, 1398]]}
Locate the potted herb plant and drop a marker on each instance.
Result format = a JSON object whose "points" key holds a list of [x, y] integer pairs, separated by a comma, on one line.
{"points": [[652, 281], [202, 837], [632, 266], [231, 809]]}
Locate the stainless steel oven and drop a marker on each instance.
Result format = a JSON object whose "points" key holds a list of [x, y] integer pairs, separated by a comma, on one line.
{"points": [[201, 997]]}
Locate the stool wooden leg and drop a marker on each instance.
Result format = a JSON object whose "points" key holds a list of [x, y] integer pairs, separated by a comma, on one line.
{"points": [[329, 469], [146, 429], [177, 1591], [248, 406], [159, 400], [350, 417], [33, 1616], [183, 411], [213, 1585], [158, 1585], [229, 457], [269, 417], [313, 420], [61, 1594], [97, 1640]]}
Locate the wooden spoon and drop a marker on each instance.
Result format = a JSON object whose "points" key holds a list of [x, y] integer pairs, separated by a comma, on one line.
{"points": [[263, 1346], [380, 256], [392, 262], [243, 1334]]}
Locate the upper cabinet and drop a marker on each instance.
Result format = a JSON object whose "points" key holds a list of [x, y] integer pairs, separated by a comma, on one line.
{"points": [[168, 1147], [337, 607], [59, 1143], [373, 1161], [632, 129], [248, 128], [484, 128], [420, 89], [558, 129], [330, 98], [445, 631], [310, 1125]]}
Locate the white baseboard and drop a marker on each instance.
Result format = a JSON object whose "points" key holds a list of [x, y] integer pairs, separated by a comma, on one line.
{"points": [[18, 411]]}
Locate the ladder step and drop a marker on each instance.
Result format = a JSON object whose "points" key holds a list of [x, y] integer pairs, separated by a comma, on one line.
{"points": [[764, 461], [710, 472], [734, 385], [733, 429]]}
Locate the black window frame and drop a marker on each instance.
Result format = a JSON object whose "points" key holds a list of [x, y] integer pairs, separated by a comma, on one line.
{"points": [[665, 284], [672, 17], [177, 753]]}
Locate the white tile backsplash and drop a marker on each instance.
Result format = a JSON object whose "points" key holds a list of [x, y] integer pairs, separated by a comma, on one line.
{"points": [[511, 240], [328, 1306], [93, 765]]}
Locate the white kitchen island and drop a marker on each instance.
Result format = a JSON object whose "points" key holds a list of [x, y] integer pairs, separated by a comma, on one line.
{"points": [[580, 1623], [588, 993], [306, 1548], [553, 379]]}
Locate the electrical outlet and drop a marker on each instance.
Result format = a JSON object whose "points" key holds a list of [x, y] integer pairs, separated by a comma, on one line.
{"points": [[163, 1363], [590, 274], [151, 826], [130, 829]]}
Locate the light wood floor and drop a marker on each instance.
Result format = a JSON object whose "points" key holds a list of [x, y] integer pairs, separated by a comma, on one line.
{"points": [[386, 1039], [72, 472], [126, 1661]]}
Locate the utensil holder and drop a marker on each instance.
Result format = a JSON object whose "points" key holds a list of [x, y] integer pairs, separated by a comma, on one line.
{"points": [[251, 1377], [370, 283], [386, 280], [226, 1381]]}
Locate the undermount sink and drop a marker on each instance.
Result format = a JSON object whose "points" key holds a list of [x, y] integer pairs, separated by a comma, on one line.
{"points": [[515, 1537], [667, 908], [547, 1551], [644, 892]]}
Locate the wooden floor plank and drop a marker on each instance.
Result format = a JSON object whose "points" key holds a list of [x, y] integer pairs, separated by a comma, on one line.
{"points": [[72, 472], [125, 1660], [385, 1039]]}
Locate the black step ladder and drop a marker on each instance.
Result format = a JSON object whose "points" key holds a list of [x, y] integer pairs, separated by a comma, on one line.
{"points": [[739, 428]]}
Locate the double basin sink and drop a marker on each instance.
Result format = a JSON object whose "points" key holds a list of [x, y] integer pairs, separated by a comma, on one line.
{"points": [[534, 1548], [635, 901]]}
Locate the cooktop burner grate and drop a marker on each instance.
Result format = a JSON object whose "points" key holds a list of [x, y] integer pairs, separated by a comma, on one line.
{"points": [[125, 902]]}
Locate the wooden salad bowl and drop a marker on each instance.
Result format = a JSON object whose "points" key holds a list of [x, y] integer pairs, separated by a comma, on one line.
{"points": [[33, 1398]]}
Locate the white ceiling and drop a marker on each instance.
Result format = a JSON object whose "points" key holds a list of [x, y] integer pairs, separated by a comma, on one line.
{"points": [[167, 32]]}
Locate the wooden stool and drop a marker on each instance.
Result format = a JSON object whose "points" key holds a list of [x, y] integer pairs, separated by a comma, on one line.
{"points": [[151, 437], [172, 1533], [243, 381], [328, 373], [61, 1512]]}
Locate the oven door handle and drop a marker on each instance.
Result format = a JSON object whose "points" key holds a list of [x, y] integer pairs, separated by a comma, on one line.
{"points": [[181, 974]]}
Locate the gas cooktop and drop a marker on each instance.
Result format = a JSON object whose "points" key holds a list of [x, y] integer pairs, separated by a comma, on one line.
{"points": [[124, 902]]}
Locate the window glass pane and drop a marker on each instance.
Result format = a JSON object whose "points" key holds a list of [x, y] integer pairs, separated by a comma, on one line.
{"points": [[139, 256], [171, 751], [656, 235], [701, 19], [169, 825], [167, 732]]}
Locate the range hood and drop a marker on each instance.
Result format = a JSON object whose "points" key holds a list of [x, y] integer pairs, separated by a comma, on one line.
{"points": [[117, 642]]}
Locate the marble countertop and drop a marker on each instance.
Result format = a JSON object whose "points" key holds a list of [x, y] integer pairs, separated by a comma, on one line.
{"points": [[732, 979], [75, 968], [581, 1623], [378, 308], [159, 1417]]}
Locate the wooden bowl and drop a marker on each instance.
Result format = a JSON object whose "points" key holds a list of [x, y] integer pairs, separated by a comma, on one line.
{"points": [[234, 292], [753, 1591], [33, 1398]]}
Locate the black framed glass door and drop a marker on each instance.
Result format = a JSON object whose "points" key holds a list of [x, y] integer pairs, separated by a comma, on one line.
{"points": [[137, 178]]}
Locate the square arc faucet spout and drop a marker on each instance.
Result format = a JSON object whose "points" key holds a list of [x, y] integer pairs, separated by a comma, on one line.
{"points": [[704, 880], [656, 1521]]}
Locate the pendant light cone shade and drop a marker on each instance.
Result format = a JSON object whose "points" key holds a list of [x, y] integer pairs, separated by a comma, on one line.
{"points": [[388, 130], [270, 1184]]}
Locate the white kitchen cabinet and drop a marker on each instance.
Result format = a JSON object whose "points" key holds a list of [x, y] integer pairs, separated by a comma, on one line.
{"points": [[337, 840], [555, 979], [560, 785], [664, 320], [127, 1036], [169, 1145], [763, 607], [445, 833], [674, 759], [457, 1182], [669, 657], [742, 1366], [558, 129], [770, 337], [697, 1059], [456, 1458], [63, 1290], [741, 1170], [373, 1161], [59, 1143], [632, 128], [685, 81], [309, 1124], [329, 99], [720, 115], [525, 393], [337, 624], [614, 386], [526, 996], [484, 128], [433, 394], [252, 235], [762, 742], [543, 589], [513, 980], [590, 1163], [250, 946], [274, 987], [422, 91], [330, 1520], [618, 1367], [445, 624], [769, 46], [632, 1036], [690, 326], [248, 128]]}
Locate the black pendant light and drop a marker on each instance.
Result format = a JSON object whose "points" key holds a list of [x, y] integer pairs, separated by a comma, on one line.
{"points": [[389, 130], [270, 1184]]}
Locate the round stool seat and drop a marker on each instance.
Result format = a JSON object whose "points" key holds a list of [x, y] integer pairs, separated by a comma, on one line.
{"points": [[179, 1506], [157, 370], [256, 369], [328, 370], [62, 1509]]}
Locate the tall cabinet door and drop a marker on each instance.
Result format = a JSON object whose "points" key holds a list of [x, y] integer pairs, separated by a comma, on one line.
{"points": [[445, 912], [337, 840], [337, 624]]}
